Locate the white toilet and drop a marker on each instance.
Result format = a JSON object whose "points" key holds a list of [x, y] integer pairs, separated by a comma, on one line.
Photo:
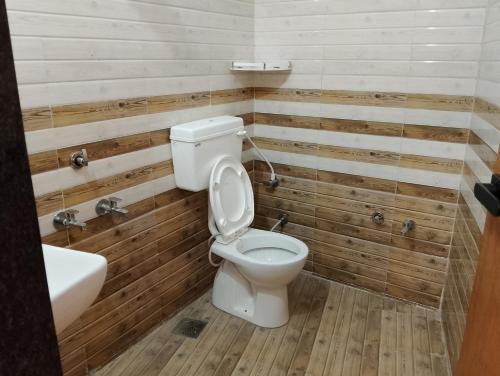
{"points": [[251, 282]]}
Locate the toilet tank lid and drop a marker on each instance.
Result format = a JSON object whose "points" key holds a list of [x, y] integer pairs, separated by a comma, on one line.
{"points": [[205, 129]]}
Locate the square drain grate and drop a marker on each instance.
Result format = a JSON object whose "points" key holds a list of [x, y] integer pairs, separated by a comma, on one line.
{"points": [[189, 327]]}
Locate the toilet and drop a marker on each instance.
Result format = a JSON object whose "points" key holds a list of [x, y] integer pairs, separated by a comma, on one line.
{"points": [[257, 265]]}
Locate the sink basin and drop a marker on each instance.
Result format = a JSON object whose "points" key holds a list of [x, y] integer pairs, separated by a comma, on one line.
{"points": [[75, 279]]}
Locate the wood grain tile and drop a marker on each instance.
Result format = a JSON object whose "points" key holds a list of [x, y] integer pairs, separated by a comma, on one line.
{"points": [[231, 95], [102, 187], [164, 103], [358, 181], [362, 126], [451, 166], [440, 102], [441, 134], [363, 98], [49, 203], [43, 162], [292, 121], [106, 148], [35, 119], [360, 155], [427, 192], [97, 111], [292, 95]]}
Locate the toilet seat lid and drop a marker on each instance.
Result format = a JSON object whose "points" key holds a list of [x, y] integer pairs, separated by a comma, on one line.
{"points": [[231, 197]]}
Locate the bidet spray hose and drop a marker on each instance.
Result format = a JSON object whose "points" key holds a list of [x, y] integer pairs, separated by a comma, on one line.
{"points": [[245, 134], [210, 260]]}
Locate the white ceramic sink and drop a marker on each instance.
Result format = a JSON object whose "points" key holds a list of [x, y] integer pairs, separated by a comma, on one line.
{"points": [[75, 279]]}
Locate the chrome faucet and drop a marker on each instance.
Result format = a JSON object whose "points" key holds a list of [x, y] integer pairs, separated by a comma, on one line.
{"points": [[110, 205], [79, 159], [67, 219], [408, 225]]}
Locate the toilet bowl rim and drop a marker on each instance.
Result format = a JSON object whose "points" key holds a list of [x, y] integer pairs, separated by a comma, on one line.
{"points": [[232, 253]]}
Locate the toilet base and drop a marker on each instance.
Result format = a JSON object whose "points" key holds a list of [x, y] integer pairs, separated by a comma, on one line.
{"points": [[234, 294]]}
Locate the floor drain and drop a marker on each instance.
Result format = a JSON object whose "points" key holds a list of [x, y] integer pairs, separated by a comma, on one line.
{"points": [[189, 327]]}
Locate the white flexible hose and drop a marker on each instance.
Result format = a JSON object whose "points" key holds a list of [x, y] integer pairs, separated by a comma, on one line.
{"points": [[210, 260], [276, 225], [245, 134]]}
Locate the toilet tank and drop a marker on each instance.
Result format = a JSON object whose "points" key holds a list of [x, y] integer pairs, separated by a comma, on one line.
{"points": [[197, 145]]}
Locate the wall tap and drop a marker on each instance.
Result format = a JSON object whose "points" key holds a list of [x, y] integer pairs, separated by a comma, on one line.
{"points": [[273, 183], [408, 225], [79, 159], [67, 219], [110, 205], [282, 221]]}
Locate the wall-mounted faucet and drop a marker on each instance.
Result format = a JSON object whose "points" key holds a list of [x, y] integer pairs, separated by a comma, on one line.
{"points": [[282, 221], [79, 159], [67, 219], [110, 205], [408, 225]]}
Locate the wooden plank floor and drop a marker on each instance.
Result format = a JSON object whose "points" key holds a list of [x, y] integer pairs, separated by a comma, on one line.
{"points": [[333, 330]]}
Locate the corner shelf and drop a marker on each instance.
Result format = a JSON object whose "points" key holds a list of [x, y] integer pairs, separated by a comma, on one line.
{"points": [[268, 66]]}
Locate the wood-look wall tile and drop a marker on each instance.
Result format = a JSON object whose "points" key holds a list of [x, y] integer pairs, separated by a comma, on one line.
{"points": [[164, 103], [349, 278], [353, 231], [359, 194], [247, 118], [291, 95], [451, 166], [359, 155], [488, 111], [431, 133], [363, 98], [294, 217], [97, 111], [415, 284], [286, 146], [417, 271], [101, 224], [293, 171], [43, 162], [49, 203], [423, 219], [231, 95], [412, 295], [420, 246], [106, 148], [287, 182], [162, 169], [285, 205], [362, 126], [160, 137], [292, 121], [171, 196], [75, 359], [102, 187], [320, 248], [383, 185], [440, 102], [483, 151], [424, 233], [58, 239], [350, 266], [428, 192], [351, 218], [35, 119]]}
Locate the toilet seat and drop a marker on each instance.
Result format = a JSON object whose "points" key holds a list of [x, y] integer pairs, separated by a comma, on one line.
{"points": [[231, 198]]}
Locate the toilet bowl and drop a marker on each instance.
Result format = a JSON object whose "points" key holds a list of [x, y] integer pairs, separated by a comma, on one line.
{"points": [[252, 280]]}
